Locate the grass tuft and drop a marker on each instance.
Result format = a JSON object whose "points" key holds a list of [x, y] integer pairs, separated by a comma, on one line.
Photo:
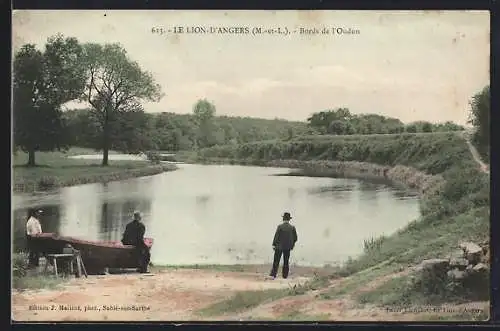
{"points": [[25, 279], [242, 301]]}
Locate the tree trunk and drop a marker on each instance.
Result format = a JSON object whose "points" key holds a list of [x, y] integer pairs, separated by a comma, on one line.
{"points": [[105, 156], [105, 142], [31, 158]]}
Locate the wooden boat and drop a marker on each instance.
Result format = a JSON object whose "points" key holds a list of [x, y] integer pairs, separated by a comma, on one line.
{"points": [[96, 255]]}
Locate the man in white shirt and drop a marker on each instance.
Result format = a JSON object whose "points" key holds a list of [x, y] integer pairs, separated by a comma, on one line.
{"points": [[33, 227]]}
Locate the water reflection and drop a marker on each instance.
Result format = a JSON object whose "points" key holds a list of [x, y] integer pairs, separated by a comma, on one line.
{"points": [[337, 191], [228, 214], [404, 194], [93, 212], [116, 214]]}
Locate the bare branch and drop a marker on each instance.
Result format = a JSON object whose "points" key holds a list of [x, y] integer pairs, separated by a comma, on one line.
{"points": [[89, 97]]}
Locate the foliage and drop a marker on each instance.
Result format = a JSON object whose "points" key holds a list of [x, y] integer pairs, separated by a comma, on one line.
{"points": [[19, 265], [373, 244], [204, 112], [43, 82], [177, 132], [421, 151], [480, 119], [426, 288], [23, 279], [114, 85], [340, 121]]}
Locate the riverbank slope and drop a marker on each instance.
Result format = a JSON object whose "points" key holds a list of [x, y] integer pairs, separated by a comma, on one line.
{"points": [[57, 169], [454, 193]]}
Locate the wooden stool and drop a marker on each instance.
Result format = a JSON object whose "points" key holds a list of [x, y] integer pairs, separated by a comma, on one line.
{"points": [[65, 257], [75, 257], [79, 265]]}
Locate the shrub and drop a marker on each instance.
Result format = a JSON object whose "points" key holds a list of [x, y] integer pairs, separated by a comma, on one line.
{"points": [[19, 265], [373, 244]]}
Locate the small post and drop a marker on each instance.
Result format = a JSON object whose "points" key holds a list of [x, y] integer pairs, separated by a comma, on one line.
{"points": [[46, 264], [78, 266], [83, 267], [55, 266]]}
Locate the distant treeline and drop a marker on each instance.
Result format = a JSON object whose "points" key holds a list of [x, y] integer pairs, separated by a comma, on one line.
{"points": [[140, 131], [342, 122]]}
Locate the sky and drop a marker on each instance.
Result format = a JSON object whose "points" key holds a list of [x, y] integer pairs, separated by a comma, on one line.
{"points": [[411, 65]]}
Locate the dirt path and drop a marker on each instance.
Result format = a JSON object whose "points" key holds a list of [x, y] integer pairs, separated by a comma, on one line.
{"points": [[176, 295], [475, 154], [165, 294]]}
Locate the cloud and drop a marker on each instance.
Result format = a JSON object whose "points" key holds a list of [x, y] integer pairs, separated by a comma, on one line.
{"points": [[430, 62]]}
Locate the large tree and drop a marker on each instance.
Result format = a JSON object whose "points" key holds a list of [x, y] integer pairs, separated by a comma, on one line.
{"points": [[480, 119], [114, 84], [204, 113], [43, 82], [323, 120]]}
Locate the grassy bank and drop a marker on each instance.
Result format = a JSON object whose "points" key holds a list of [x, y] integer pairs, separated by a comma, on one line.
{"points": [[25, 279], [245, 300], [454, 192], [55, 169]]}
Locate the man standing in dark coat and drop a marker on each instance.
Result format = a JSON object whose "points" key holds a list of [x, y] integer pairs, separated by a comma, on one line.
{"points": [[134, 235], [283, 242]]}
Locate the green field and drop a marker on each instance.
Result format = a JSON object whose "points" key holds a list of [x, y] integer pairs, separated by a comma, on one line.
{"points": [[55, 169]]}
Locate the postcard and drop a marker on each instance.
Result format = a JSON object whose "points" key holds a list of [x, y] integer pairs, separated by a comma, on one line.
{"points": [[250, 165]]}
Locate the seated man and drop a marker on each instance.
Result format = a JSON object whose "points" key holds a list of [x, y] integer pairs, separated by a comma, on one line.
{"points": [[134, 235]]}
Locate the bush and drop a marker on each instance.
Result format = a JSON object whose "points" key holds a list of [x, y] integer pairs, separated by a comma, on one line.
{"points": [[47, 183], [373, 244], [154, 157], [19, 265]]}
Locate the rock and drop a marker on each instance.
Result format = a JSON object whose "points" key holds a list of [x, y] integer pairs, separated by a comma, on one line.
{"points": [[480, 267], [434, 264], [433, 268], [485, 258], [485, 244], [470, 248], [472, 251], [456, 274], [459, 263], [457, 254]]}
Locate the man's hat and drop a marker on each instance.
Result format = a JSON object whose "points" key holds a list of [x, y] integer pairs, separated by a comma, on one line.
{"points": [[287, 216], [35, 211]]}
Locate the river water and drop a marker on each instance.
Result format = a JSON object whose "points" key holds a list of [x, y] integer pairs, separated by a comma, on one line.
{"points": [[213, 214]]}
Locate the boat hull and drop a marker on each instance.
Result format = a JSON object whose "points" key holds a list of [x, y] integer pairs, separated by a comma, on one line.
{"points": [[96, 255]]}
